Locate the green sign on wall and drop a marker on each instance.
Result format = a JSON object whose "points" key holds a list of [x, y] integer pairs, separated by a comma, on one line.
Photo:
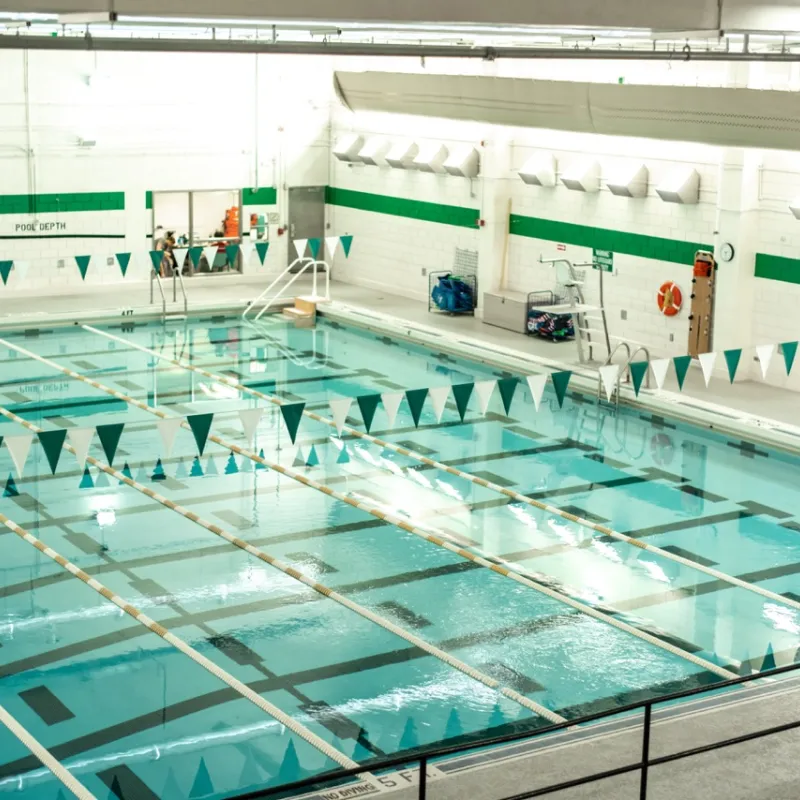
{"points": [[603, 259]]}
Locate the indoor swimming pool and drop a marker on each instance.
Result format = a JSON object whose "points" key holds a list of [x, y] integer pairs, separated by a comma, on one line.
{"points": [[423, 642]]}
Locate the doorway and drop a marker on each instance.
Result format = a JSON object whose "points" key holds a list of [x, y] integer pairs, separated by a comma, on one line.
{"points": [[306, 216]]}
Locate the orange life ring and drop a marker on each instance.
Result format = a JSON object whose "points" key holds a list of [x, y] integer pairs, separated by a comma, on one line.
{"points": [[669, 299]]}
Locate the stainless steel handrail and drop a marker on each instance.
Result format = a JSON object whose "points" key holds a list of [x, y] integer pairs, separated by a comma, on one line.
{"points": [[177, 272], [155, 275], [608, 361], [288, 269]]}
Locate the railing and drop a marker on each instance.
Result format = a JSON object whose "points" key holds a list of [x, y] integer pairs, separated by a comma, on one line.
{"points": [[155, 276], [328, 783], [608, 361], [309, 262]]}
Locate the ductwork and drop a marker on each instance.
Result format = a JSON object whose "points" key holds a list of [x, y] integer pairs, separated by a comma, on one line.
{"points": [[720, 116]]}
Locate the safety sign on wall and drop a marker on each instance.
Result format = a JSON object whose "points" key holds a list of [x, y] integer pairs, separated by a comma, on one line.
{"points": [[603, 259]]}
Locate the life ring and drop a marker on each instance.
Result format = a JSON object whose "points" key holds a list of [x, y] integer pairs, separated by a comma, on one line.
{"points": [[669, 299]]}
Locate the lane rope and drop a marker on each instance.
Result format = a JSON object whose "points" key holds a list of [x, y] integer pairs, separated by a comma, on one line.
{"points": [[481, 558], [67, 779], [510, 493]]}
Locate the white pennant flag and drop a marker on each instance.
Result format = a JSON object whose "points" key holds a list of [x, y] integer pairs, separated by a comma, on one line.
{"points": [[210, 253], [168, 428], [660, 367], [300, 247], [391, 404], [707, 363], [608, 374], [339, 411], [536, 384], [439, 395], [20, 269], [333, 243], [765, 353], [246, 249], [19, 447], [179, 254], [484, 391], [80, 439], [250, 418]]}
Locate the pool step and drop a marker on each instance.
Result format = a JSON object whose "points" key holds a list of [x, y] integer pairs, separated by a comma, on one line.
{"points": [[304, 311]]}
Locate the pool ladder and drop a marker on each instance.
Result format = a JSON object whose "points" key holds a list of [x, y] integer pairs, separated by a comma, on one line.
{"points": [[155, 277], [625, 370]]}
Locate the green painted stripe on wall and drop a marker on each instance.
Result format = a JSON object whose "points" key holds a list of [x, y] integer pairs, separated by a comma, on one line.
{"points": [[777, 268], [403, 207], [632, 244], [61, 203], [148, 201], [267, 196]]}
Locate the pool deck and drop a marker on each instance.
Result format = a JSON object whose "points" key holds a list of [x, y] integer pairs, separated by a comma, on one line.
{"points": [[751, 397]]}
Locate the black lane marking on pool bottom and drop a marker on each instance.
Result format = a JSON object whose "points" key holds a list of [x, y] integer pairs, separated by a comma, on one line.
{"points": [[767, 511], [130, 785], [46, 705], [403, 614], [747, 449], [685, 524], [698, 559], [702, 494], [159, 717]]}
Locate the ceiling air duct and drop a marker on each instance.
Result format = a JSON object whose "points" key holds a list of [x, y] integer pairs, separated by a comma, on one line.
{"points": [[401, 155], [582, 177], [682, 186], [347, 147], [630, 182], [431, 158], [463, 162], [374, 152], [540, 170]]}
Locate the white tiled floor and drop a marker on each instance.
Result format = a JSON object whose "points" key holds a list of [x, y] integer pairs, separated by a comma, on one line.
{"points": [[235, 291]]}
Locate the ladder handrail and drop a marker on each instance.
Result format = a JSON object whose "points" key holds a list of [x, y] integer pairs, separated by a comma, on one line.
{"points": [[286, 286], [608, 361], [293, 264], [177, 271], [157, 276]]}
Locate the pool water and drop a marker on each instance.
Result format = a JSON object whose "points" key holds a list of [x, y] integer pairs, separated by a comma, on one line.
{"points": [[121, 707]]}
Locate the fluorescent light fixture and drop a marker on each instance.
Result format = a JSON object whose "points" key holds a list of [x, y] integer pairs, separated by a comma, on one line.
{"points": [[374, 152], [87, 17], [682, 186], [348, 146], [401, 155], [582, 177], [539, 170], [463, 162], [630, 182], [431, 158]]}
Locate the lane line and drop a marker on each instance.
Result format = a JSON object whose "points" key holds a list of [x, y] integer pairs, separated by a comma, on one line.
{"points": [[479, 557], [510, 493], [67, 779]]}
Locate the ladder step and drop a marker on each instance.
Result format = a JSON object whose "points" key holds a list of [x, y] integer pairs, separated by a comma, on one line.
{"points": [[297, 313]]}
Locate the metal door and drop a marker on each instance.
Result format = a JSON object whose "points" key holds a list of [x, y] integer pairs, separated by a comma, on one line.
{"points": [[306, 216]]}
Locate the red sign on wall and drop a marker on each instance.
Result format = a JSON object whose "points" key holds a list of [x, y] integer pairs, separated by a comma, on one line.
{"points": [[561, 247]]}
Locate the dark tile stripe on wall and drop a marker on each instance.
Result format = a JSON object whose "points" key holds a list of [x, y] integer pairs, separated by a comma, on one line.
{"points": [[403, 207], [777, 268], [61, 203], [260, 197], [632, 244]]}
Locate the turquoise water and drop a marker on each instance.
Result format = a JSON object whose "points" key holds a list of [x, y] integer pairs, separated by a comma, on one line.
{"points": [[114, 701]]}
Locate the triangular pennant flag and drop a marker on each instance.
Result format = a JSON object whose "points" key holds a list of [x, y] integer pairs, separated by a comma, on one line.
{"points": [[19, 447], [262, 248], [21, 269], [52, 442], [83, 265], [368, 404], [102, 480], [339, 410], [732, 360], [536, 384], [313, 458], [158, 472], [168, 429], [180, 471], [259, 465], [507, 387], [659, 369], [681, 368], [202, 786], [344, 457], [172, 791], [453, 728], [416, 400], [11, 487], [141, 474], [765, 353], [391, 405], [194, 255], [109, 438], [179, 254], [232, 251], [347, 243], [290, 769], [707, 361], [332, 243], [116, 790], [560, 383], [210, 252], [313, 246], [156, 257], [246, 249], [638, 371], [292, 414], [299, 458], [439, 395], [86, 480], [197, 469], [124, 260], [247, 465], [5, 270], [231, 468], [608, 376], [80, 439], [211, 466], [497, 717], [126, 471], [300, 247], [409, 739], [200, 425], [789, 352], [484, 390], [250, 775], [250, 418], [769, 660]]}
